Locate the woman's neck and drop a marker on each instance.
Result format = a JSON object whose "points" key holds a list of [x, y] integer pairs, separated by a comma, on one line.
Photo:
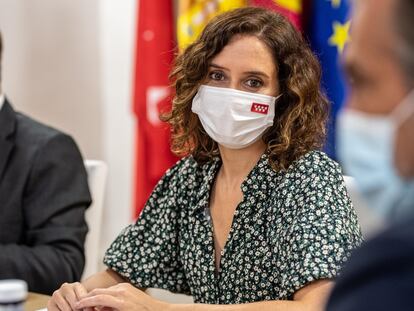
{"points": [[237, 163]]}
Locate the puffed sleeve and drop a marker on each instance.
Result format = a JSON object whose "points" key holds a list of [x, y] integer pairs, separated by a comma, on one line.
{"points": [[323, 229], [146, 253]]}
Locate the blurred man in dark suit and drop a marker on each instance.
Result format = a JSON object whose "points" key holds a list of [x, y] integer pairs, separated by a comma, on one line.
{"points": [[376, 145], [43, 198]]}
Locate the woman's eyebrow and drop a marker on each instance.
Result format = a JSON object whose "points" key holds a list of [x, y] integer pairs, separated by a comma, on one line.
{"points": [[218, 66], [250, 72], [257, 73]]}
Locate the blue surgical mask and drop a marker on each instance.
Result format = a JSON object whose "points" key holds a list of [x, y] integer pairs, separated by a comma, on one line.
{"points": [[366, 146]]}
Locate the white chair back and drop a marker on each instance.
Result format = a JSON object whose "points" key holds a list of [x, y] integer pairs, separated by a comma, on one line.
{"points": [[369, 221], [97, 171]]}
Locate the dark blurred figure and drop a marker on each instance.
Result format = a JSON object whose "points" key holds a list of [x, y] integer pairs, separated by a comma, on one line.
{"points": [[377, 147], [43, 198]]}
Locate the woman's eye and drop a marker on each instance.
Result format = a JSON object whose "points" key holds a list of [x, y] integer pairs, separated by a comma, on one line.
{"points": [[254, 83], [218, 76]]}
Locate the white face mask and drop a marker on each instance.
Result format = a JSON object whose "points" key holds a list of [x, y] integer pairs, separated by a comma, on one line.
{"points": [[366, 146], [234, 119]]}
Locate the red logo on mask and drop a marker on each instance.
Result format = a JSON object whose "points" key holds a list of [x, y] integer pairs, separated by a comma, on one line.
{"points": [[260, 108]]}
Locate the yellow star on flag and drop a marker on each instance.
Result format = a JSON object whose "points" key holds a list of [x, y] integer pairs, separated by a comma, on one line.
{"points": [[335, 3], [340, 35]]}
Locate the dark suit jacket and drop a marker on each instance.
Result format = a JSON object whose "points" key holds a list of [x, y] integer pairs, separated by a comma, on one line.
{"points": [[380, 275], [43, 197]]}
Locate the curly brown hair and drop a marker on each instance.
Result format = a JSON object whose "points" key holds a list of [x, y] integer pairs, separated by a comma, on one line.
{"points": [[301, 112]]}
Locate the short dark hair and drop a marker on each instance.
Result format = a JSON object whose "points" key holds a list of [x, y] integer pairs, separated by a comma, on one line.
{"points": [[404, 17]]}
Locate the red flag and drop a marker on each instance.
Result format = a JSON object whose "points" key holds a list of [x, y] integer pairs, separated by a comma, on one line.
{"points": [[155, 44]]}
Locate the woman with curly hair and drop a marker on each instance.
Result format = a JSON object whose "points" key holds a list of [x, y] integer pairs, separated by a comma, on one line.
{"points": [[253, 216]]}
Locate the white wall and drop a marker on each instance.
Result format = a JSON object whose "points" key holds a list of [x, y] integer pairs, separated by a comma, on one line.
{"points": [[118, 26], [69, 64]]}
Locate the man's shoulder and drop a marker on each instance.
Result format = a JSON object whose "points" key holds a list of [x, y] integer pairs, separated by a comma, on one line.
{"points": [[33, 139], [32, 132], [387, 251], [397, 240], [375, 269]]}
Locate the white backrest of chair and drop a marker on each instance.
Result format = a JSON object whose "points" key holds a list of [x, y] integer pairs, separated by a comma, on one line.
{"points": [[97, 172], [369, 221]]}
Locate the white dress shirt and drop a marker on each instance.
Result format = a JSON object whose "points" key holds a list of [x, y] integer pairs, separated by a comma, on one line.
{"points": [[1, 100]]}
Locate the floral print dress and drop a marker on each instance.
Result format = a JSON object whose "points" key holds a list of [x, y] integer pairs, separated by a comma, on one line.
{"points": [[291, 228]]}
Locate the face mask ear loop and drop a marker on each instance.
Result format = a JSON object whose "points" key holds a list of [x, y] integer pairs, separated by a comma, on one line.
{"points": [[404, 110], [275, 102], [277, 97]]}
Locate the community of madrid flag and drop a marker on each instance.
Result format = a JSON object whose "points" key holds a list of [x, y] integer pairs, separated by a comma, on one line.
{"points": [[154, 55], [328, 32]]}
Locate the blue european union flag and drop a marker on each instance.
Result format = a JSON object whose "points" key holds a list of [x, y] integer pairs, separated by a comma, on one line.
{"points": [[328, 32]]}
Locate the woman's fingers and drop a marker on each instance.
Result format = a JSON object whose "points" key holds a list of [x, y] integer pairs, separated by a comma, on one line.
{"points": [[81, 292], [103, 291], [68, 292], [60, 301], [66, 297], [52, 306], [122, 297], [100, 300]]}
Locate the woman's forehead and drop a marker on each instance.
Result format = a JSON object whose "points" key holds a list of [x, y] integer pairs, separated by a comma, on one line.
{"points": [[247, 52]]}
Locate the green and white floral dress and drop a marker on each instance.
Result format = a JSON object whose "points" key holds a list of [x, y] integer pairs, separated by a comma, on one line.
{"points": [[292, 227]]}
